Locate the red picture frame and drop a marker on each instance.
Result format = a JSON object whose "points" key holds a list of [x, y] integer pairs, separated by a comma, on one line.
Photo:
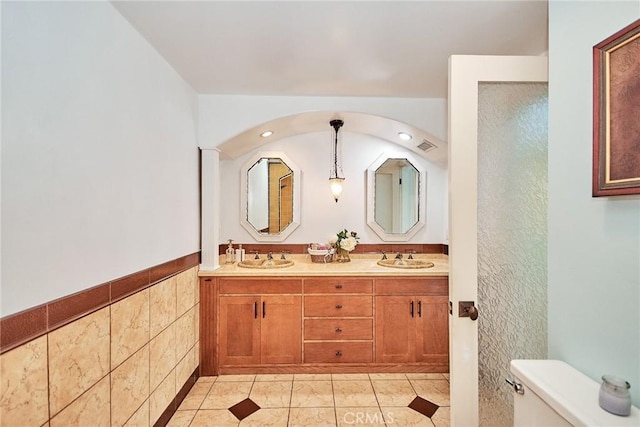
{"points": [[616, 113]]}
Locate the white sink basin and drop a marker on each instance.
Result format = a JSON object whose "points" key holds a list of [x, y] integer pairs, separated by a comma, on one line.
{"points": [[405, 263], [265, 263]]}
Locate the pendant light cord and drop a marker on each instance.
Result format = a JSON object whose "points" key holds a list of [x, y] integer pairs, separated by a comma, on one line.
{"points": [[336, 124]]}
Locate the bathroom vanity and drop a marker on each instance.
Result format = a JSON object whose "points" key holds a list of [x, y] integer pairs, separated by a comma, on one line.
{"points": [[320, 318]]}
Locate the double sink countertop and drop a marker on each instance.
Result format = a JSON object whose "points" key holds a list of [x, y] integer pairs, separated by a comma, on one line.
{"points": [[360, 264]]}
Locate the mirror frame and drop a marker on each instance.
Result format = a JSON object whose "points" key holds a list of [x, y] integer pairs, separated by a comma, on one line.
{"points": [[371, 191], [244, 206]]}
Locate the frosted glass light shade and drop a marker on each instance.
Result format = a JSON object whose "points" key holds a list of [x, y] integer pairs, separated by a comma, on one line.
{"points": [[336, 187]]}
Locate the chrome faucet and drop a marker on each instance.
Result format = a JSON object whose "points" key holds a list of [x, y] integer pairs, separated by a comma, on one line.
{"points": [[257, 256], [398, 255], [270, 256]]}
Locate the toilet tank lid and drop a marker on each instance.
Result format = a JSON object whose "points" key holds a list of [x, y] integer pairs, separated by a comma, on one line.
{"points": [[569, 392]]}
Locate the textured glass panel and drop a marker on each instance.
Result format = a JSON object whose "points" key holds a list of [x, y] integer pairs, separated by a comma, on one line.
{"points": [[512, 238]]}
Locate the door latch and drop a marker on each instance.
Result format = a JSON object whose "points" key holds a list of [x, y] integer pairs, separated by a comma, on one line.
{"points": [[467, 309]]}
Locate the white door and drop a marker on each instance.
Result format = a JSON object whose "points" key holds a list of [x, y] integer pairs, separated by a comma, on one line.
{"points": [[466, 74]]}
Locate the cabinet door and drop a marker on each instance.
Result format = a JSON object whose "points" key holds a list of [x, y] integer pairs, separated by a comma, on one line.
{"points": [[281, 329], [239, 332], [432, 334], [395, 329]]}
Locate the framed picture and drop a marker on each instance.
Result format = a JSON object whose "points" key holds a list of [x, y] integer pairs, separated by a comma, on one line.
{"points": [[616, 113]]}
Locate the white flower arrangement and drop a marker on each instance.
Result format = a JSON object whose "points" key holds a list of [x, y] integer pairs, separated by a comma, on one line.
{"points": [[346, 240]]}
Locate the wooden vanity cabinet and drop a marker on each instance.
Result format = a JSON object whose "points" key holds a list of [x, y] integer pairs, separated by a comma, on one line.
{"points": [[412, 316], [324, 324], [259, 327]]}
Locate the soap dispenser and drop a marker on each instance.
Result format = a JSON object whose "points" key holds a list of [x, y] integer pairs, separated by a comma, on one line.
{"points": [[240, 254], [230, 253]]}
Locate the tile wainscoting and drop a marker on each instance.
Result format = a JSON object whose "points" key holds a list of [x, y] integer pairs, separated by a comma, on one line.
{"points": [[122, 353]]}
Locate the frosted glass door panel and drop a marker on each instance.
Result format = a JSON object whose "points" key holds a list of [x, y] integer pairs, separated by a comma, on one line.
{"points": [[512, 238]]}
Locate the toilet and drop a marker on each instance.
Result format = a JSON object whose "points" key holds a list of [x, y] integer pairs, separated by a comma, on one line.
{"points": [[554, 394]]}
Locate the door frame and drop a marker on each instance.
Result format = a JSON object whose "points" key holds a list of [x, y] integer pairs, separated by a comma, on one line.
{"points": [[465, 72]]}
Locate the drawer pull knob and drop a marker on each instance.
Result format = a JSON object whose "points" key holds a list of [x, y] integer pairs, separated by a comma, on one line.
{"points": [[338, 353], [338, 306], [338, 286], [338, 330]]}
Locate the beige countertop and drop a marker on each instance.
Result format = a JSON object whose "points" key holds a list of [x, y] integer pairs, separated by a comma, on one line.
{"points": [[360, 264]]}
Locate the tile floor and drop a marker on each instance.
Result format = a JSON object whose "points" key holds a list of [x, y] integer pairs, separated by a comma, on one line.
{"points": [[316, 400]]}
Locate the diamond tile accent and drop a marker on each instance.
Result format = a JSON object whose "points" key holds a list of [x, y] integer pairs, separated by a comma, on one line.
{"points": [[423, 406], [243, 409]]}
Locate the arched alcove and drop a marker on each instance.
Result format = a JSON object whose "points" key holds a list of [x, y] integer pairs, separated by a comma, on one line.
{"points": [[422, 143]]}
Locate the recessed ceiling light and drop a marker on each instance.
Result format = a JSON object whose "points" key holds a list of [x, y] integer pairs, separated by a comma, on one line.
{"points": [[404, 136], [266, 133]]}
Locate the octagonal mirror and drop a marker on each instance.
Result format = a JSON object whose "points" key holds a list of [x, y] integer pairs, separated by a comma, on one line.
{"points": [[396, 197], [270, 196]]}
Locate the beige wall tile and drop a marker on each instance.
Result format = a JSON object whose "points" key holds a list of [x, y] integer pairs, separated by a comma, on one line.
{"points": [[186, 291], [23, 384], [196, 355], [194, 358], [162, 308], [129, 326], [185, 333], [197, 322], [141, 417], [162, 357], [184, 369], [129, 386], [197, 280], [162, 397], [91, 408], [78, 358]]}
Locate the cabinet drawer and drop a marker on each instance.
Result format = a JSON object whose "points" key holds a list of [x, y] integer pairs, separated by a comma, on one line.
{"points": [[338, 285], [413, 286], [338, 329], [260, 286], [338, 352], [338, 306]]}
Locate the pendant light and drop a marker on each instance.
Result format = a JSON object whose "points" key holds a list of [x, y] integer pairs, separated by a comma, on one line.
{"points": [[335, 178]]}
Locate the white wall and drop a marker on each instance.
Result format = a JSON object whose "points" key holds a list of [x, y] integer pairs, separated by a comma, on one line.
{"points": [[321, 216], [99, 153], [222, 117], [594, 243]]}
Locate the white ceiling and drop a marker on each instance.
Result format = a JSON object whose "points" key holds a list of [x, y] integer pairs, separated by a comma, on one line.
{"points": [[332, 48]]}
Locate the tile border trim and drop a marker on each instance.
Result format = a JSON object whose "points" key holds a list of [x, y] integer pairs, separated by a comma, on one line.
{"points": [[22, 327]]}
